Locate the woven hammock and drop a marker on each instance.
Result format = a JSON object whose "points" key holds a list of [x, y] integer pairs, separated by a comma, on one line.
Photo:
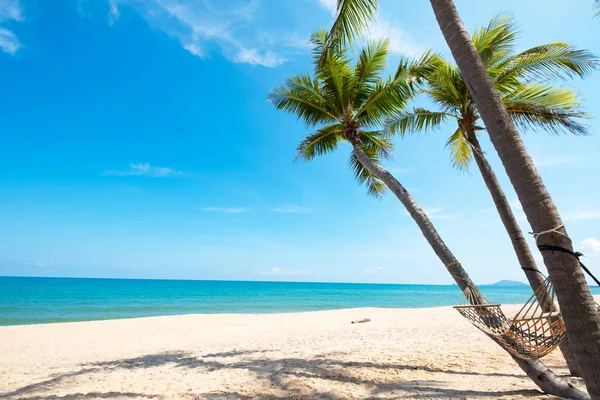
{"points": [[532, 333]]}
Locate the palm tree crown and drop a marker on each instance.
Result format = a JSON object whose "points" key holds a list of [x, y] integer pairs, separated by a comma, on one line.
{"points": [[521, 80], [345, 102]]}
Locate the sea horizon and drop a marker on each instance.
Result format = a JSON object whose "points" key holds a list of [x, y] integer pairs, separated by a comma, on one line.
{"points": [[38, 300], [245, 280]]}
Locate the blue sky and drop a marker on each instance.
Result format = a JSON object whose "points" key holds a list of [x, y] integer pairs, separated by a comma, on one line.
{"points": [[136, 141]]}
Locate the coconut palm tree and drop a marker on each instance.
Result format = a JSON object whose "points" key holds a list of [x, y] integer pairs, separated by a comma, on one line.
{"points": [[349, 103], [345, 103], [577, 305], [532, 103]]}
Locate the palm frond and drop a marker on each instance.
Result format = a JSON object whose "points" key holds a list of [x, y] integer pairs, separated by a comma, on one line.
{"points": [[461, 152], [371, 61], [377, 147], [545, 107], [387, 97], [419, 120], [300, 95], [447, 89], [351, 20], [375, 187], [597, 7], [417, 71], [378, 144], [550, 61], [497, 39], [334, 74], [323, 141]]}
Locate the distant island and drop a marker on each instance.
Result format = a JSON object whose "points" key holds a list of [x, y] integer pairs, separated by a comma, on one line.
{"points": [[508, 283]]}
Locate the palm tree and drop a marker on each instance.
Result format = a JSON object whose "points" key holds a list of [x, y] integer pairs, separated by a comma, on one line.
{"points": [[345, 103], [520, 79], [575, 300]]}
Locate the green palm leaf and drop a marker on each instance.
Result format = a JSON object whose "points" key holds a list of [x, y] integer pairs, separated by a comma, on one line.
{"points": [[419, 120], [323, 141], [461, 152], [371, 62], [497, 39], [352, 19], [517, 76], [300, 95], [375, 187], [549, 61], [540, 106]]}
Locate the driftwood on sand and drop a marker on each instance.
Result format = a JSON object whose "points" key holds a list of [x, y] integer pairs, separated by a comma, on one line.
{"points": [[361, 321]]}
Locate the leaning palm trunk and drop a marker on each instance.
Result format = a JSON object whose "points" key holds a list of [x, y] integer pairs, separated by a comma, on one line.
{"points": [[535, 369], [517, 239], [579, 311]]}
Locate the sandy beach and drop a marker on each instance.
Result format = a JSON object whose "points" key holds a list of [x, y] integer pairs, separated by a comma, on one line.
{"points": [[401, 353]]}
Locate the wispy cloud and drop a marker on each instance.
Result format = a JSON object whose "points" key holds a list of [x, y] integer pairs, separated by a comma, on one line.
{"points": [[290, 209], [373, 271], [401, 41], [438, 213], [575, 215], [276, 271], [145, 170], [542, 162], [10, 11], [591, 244], [254, 56], [199, 25], [329, 5], [226, 210]]}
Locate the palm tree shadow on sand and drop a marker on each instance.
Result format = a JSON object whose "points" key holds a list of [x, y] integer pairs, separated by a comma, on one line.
{"points": [[280, 378]]}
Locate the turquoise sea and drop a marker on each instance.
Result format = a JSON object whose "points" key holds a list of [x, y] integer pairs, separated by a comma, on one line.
{"points": [[44, 300]]}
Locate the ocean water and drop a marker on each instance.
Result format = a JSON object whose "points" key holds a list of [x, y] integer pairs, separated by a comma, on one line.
{"points": [[45, 300]]}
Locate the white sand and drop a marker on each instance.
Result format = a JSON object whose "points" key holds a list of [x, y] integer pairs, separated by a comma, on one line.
{"points": [[402, 353]]}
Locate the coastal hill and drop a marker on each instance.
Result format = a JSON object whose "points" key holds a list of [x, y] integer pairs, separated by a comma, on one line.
{"points": [[508, 283]]}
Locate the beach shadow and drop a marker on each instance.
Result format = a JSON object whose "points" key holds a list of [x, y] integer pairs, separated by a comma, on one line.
{"points": [[235, 353], [287, 376]]}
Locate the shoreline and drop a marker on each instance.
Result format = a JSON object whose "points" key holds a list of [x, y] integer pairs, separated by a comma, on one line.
{"points": [[509, 306]]}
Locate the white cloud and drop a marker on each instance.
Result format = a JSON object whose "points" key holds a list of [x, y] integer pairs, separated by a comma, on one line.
{"points": [[197, 25], [226, 210], [591, 244], [276, 271], [329, 5], [373, 271], [255, 57], [145, 170], [114, 13], [10, 10], [401, 41], [8, 41], [575, 215], [290, 209], [542, 162]]}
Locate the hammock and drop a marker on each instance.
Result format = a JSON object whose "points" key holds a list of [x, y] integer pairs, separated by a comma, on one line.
{"points": [[532, 333], [537, 329]]}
